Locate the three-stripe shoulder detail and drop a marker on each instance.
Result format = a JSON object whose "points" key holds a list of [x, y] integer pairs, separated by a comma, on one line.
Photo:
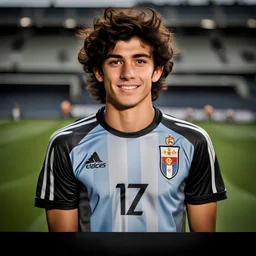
{"points": [[63, 131], [78, 123], [211, 151]]}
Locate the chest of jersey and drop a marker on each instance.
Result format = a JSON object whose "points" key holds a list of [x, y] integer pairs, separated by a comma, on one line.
{"points": [[139, 177], [155, 163]]}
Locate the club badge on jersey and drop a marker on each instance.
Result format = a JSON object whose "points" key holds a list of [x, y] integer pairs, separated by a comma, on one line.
{"points": [[169, 158]]}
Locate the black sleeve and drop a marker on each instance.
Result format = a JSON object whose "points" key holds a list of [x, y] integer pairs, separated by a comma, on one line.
{"points": [[205, 183], [57, 186]]}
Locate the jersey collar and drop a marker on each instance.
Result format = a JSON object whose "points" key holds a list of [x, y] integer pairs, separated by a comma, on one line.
{"points": [[101, 119]]}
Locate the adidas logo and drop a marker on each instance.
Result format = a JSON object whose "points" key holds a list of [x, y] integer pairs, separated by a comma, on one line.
{"points": [[94, 162]]}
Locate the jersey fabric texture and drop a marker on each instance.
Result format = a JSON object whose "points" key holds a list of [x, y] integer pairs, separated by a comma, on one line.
{"points": [[129, 182]]}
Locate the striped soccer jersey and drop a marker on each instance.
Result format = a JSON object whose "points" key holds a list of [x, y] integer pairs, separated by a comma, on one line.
{"points": [[129, 182]]}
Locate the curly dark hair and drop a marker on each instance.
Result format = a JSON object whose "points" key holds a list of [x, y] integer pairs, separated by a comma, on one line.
{"points": [[124, 24]]}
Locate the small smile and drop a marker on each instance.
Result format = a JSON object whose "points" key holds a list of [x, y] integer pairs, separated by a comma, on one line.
{"points": [[128, 87]]}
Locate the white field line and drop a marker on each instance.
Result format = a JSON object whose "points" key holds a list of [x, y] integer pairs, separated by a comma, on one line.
{"points": [[233, 190], [37, 223], [18, 182], [234, 132], [21, 132], [241, 194], [5, 121]]}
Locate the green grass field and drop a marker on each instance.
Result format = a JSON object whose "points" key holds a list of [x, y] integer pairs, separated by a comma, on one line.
{"points": [[22, 149]]}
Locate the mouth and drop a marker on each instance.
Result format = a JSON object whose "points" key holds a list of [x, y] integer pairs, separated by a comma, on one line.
{"points": [[128, 87]]}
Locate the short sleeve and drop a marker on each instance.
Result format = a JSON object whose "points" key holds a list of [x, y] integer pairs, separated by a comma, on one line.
{"points": [[57, 186], [205, 182]]}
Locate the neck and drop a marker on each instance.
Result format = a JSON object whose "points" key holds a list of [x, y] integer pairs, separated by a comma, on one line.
{"points": [[130, 119]]}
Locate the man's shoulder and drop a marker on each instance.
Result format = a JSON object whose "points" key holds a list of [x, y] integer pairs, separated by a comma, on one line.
{"points": [[186, 128], [80, 126]]}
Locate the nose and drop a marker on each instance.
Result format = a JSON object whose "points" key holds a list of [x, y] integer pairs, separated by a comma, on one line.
{"points": [[127, 71]]}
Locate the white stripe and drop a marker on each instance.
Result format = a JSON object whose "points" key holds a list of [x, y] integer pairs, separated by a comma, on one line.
{"points": [[200, 129], [209, 143], [46, 163], [73, 124], [211, 157], [55, 135], [52, 176], [190, 124]]}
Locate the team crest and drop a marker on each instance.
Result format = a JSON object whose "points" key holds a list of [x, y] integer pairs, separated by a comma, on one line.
{"points": [[169, 161], [169, 140]]}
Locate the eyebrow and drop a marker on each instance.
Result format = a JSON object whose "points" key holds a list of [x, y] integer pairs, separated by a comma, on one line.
{"points": [[138, 55]]}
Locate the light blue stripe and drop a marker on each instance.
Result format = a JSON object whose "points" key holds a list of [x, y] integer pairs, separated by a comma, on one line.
{"points": [[135, 222], [172, 202], [118, 173], [150, 170], [96, 180]]}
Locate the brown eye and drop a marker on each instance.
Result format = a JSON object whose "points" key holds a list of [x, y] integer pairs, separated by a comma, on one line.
{"points": [[140, 61], [115, 62]]}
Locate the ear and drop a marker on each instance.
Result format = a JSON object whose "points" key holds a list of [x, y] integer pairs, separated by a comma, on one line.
{"points": [[157, 73], [98, 74]]}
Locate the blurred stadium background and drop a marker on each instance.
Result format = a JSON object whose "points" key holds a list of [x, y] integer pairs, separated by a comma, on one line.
{"points": [[39, 71]]}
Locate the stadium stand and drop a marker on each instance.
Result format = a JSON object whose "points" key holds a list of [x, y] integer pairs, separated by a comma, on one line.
{"points": [[216, 66]]}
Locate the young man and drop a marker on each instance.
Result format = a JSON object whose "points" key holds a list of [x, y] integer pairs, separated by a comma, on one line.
{"points": [[129, 167]]}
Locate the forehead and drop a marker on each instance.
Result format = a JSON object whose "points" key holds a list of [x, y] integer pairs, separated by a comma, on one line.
{"points": [[131, 47]]}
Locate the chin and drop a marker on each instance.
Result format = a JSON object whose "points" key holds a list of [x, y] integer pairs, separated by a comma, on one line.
{"points": [[124, 106]]}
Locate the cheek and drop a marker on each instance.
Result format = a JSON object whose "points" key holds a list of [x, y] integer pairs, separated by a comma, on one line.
{"points": [[110, 75], [147, 75], [109, 81]]}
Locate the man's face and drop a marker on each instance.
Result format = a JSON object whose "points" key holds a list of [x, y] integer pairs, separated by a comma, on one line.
{"points": [[128, 73]]}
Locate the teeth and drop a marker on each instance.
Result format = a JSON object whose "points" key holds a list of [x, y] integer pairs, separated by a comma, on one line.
{"points": [[128, 87]]}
